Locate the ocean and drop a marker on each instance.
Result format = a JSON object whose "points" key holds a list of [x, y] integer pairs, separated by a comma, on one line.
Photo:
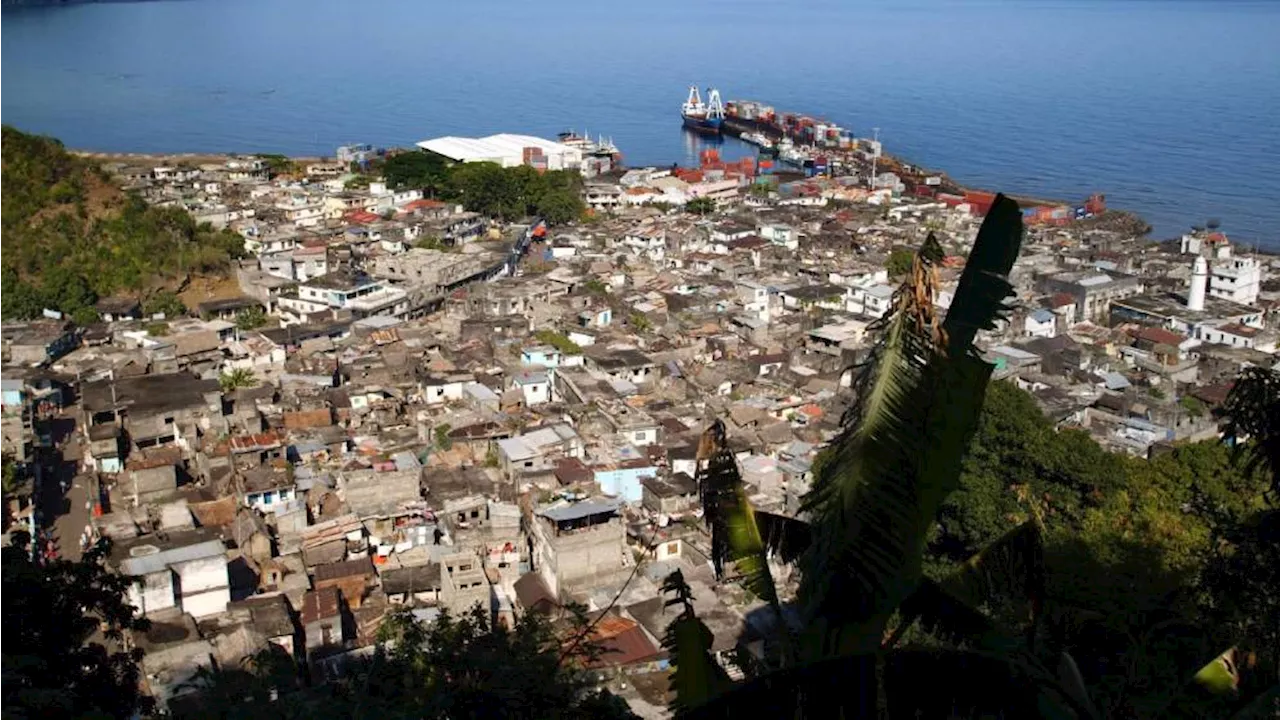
{"points": [[1168, 107]]}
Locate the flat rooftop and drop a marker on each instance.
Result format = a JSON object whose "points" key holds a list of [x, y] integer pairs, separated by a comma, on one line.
{"points": [[1170, 305]]}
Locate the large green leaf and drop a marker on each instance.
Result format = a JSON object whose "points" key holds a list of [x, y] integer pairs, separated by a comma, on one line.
{"points": [[735, 536], [1012, 566], [917, 401], [1220, 676]]}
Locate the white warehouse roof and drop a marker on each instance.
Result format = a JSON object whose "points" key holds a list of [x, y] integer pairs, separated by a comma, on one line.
{"points": [[506, 149]]}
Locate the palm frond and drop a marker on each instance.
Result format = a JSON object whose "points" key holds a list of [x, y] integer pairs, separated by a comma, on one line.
{"points": [[917, 402], [943, 615]]}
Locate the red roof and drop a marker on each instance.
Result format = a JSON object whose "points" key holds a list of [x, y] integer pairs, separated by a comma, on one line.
{"points": [[423, 204], [1159, 336], [1061, 300], [361, 217], [622, 641]]}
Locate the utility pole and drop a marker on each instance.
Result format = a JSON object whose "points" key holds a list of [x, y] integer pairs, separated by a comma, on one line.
{"points": [[875, 155]]}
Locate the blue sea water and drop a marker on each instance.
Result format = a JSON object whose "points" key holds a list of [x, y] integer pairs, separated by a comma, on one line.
{"points": [[1170, 107]]}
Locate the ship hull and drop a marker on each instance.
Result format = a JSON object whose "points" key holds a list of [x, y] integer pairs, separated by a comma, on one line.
{"points": [[704, 126]]}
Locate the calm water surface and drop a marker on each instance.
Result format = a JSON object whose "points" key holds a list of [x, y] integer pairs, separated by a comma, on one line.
{"points": [[1168, 106]]}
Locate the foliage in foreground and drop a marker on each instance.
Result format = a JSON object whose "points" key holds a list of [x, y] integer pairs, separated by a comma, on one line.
{"points": [[459, 667], [1060, 582], [57, 658]]}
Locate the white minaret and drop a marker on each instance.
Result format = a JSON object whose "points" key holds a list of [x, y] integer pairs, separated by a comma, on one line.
{"points": [[1199, 284]]}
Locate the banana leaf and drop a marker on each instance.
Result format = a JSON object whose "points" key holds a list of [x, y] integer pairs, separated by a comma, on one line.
{"points": [[841, 687], [735, 537], [917, 402], [1220, 676]]}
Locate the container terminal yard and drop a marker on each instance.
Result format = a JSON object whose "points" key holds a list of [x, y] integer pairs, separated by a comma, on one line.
{"points": [[816, 147]]}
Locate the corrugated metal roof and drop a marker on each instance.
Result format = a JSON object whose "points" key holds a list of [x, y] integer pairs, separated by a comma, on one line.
{"points": [[577, 511], [142, 564], [502, 145]]}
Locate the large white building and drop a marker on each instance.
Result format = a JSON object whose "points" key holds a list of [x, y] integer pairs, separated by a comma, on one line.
{"points": [[1238, 279], [507, 150]]}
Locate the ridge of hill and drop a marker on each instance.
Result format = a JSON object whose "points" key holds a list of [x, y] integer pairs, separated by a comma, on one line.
{"points": [[72, 236]]}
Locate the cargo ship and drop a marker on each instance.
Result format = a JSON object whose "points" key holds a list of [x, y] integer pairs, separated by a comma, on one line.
{"points": [[705, 118]]}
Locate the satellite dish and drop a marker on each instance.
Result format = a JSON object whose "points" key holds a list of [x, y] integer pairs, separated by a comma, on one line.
{"points": [[143, 551]]}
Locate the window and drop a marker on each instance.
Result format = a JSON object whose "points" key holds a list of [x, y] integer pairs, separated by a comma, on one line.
{"points": [[168, 421], [475, 513], [326, 634], [268, 497], [673, 548], [640, 436]]}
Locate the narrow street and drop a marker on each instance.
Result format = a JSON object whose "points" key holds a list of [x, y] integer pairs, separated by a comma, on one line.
{"points": [[64, 513]]}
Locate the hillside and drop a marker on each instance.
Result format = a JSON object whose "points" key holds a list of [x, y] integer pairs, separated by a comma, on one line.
{"points": [[70, 236]]}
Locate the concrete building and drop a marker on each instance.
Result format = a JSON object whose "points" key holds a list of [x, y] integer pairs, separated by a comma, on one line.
{"points": [[185, 570], [463, 583], [434, 270], [361, 295], [1238, 279], [1093, 291], [579, 545]]}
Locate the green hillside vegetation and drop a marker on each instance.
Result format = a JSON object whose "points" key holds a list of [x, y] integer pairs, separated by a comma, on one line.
{"points": [[71, 236]]}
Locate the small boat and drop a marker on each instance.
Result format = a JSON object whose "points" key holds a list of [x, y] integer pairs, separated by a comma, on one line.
{"points": [[757, 139]]}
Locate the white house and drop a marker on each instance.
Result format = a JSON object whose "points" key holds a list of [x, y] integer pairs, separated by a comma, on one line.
{"points": [[779, 234], [873, 300], [1041, 323], [535, 385], [185, 571]]}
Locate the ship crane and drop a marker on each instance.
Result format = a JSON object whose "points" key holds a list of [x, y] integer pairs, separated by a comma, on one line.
{"points": [[715, 108], [694, 106]]}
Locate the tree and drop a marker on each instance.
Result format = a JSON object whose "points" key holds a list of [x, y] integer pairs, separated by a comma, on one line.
{"points": [[899, 262], [561, 205], [236, 379], [1194, 406], [443, 441], [166, 303], [251, 318], [595, 287], [54, 663], [558, 341], [700, 206], [640, 322], [460, 667], [13, 484], [424, 170]]}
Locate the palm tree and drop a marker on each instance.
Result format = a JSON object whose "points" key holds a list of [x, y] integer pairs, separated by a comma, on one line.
{"points": [[838, 651], [237, 378]]}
